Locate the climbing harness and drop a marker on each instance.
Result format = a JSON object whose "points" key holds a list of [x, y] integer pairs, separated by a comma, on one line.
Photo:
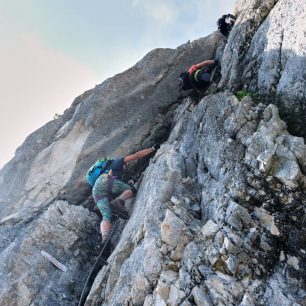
{"points": [[99, 263], [110, 183]]}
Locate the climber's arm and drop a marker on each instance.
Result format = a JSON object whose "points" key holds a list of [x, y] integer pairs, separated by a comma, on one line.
{"points": [[141, 153], [200, 65]]}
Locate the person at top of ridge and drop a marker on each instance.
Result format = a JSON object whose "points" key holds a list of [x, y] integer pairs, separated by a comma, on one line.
{"points": [[199, 76], [226, 23]]}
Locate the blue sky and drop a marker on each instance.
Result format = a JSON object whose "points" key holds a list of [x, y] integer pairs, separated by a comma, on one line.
{"points": [[52, 51]]}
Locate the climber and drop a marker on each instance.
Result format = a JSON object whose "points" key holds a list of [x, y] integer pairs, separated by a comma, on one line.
{"points": [[225, 24], [110, 184], [198, 76]]}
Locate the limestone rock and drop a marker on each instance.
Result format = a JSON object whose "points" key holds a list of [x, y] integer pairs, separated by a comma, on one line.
{"points": [[209, 229], [267, 146], [53, 160], [247, 301], [70, 234], [175, 296], [201, 297], [220, 211], [267, 221], [174, 231], [271, 48], [265, 54]]}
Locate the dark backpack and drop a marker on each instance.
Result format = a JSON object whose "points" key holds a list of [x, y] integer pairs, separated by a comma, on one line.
{"points": [[202, 75], [184, 82], [98, 168], [200, 79]]}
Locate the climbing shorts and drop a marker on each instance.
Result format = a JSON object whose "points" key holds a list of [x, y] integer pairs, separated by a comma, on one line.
{"points": [[102, 191]]}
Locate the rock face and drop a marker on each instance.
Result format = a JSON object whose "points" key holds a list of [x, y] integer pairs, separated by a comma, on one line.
{"points": [[266, 51], [219, 218], [234, 250], [69, 233], [114, 118], [266, 54]]}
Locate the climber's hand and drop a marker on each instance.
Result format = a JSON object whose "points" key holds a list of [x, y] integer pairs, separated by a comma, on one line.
{"points": [[192, 68], [155, 147]]}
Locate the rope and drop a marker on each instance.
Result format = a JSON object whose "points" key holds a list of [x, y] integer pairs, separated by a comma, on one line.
{"points": [[191, 101], [95, 268]]}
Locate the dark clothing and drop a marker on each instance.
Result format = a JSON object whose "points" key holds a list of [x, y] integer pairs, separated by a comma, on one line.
{"points": [[117, 167], [200, 78]]}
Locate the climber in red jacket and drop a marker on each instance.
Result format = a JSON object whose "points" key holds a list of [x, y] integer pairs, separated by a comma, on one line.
{"points": [[198, 76]]}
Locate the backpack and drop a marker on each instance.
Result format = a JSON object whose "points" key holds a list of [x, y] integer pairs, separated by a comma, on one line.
{"points": [[98, 168], [184, 83], [203, 75], [200, 78]]}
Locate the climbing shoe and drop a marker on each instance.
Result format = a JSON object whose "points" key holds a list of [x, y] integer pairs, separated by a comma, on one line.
{"points": [[118, 209]]}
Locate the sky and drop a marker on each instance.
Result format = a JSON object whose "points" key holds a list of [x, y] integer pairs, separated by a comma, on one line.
{"points": [[53, 51]]}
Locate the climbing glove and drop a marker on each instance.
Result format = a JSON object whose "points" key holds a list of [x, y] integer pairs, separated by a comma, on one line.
{"points": [[192, 68], [155, 147]]}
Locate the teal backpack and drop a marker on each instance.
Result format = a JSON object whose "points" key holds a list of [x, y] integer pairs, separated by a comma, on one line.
{"points": [[97, 169]]}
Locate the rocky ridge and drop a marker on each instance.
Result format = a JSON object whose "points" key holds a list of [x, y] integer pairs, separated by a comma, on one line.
{"points": [[218, 237], [219, 218]]}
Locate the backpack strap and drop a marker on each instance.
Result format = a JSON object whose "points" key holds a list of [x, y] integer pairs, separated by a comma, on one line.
{"points": [[110, 183], [108, 163]]}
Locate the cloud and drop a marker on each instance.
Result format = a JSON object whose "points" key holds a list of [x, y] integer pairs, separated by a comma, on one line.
{"points": [[159, 12]]}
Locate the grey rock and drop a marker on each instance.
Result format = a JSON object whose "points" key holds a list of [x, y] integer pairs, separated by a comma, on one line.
{"points": [[238, 217], [175, 296], [148, 300], [250, 238], [223, 289], [185, 280], [267, 221], [230, 161], [70, 234], [209, 229], [52, 161], [247, 300], [174, 232], [201, 297], [231, 247], [213, 255], [274, 158], [271, 53], [168, 277], [231, 264], [186, 303], [276, 292], [191, 256]]}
